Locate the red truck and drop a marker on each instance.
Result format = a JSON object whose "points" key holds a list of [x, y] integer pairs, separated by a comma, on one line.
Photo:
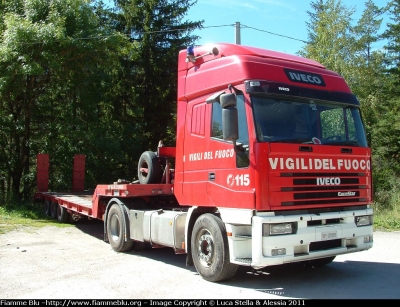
{"points": [[271, 166]]}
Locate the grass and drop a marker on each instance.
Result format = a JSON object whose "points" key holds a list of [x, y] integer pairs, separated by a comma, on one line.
{"points": [[27, 215], [387, 208], [17, 216], [387, 220]]}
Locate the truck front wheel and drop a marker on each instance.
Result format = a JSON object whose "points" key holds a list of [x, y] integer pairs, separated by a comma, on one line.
{"points": [[210, 249], [116, 230]]}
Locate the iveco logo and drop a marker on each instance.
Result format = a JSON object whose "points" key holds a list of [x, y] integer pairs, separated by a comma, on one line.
{"points": [[328, 181], [304, 77], [284, 89]]}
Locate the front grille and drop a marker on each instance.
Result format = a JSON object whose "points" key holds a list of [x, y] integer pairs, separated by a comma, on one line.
{"points": [[323, 174], [324, 188], [322, 202], [312, 181], [322, 194]]}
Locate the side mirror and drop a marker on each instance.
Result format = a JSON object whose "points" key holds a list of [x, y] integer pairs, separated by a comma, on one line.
{"points": [[227, 101], [230, 126]]}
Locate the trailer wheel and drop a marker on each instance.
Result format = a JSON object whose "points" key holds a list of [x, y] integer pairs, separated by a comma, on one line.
{"points": [[53, 210], [74, 218], [62, 214], [316, 263], [47, 207], [149, 168], [210, 249], [116, 231]]}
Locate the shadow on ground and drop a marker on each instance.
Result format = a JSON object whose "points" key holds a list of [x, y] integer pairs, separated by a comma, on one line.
{"points": [[338, 280]]}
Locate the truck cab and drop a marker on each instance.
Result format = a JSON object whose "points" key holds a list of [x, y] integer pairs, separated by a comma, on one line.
{"points": [[300, 139], [284, 162]]}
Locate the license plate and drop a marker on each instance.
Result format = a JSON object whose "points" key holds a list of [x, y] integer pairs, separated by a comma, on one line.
{"points": [[330, 235]]}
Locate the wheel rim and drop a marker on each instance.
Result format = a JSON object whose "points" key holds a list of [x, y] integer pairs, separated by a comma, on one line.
{"points": [[114, 228], [144, 170], [205, 248]]}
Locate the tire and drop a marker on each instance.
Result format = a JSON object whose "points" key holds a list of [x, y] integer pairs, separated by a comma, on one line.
{"points": [[316, 263], [47, 207], [53, 209], [149, 168], [74, 218], [62, 214], [210, 249], [116, 230]]}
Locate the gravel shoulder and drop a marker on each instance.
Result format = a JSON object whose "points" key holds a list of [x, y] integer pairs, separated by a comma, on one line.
{"points": [[75, 263]]}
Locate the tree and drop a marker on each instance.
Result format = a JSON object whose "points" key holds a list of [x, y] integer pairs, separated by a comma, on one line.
{"points": [[80, 78], [159, 31], [392, 34], [386, 138], [53, 56], [368, 67], [329, 35]]}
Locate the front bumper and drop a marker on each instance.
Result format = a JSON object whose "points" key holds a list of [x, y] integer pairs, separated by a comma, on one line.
{"points": [[317, 236]]}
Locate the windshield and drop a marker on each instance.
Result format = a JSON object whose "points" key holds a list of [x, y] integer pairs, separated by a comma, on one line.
{"points": [[304, 120]]}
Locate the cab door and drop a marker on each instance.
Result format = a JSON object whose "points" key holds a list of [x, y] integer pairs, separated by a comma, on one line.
{"points": [[229, 178], [195, 171]]}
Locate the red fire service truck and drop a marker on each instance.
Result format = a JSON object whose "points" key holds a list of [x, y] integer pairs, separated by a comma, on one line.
{"points": [[270, 166]]}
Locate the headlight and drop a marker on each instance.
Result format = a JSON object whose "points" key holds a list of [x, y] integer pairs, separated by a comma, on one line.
{"points": [[279, 229], [364, 220]]}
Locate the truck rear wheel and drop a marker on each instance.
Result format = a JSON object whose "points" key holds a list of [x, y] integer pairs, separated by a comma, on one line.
{"points": [[116, 230], [210, 249], [62, 214], [149, 168]]}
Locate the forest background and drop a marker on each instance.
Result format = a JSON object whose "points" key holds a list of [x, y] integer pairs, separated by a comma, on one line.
{"points": [[80, 77]]}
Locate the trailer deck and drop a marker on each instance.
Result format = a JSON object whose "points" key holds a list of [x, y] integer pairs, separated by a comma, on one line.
{"points": [[93, 203], [80, 203]]}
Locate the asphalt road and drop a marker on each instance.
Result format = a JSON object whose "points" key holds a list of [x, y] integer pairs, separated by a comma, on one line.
{"points": [[74, 263]]}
